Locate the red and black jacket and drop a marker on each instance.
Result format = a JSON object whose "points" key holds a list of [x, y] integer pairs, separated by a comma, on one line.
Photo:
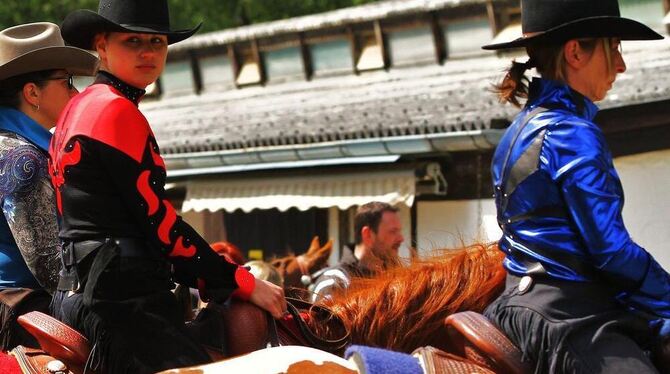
{"points": [[109, 179]]}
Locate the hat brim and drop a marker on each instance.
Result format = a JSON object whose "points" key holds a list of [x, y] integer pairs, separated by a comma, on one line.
{"points": [[80, 27], [591, 27], [74, 60]]}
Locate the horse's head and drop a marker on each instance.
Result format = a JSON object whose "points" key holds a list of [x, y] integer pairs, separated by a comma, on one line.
{"points": [[294, 269]]}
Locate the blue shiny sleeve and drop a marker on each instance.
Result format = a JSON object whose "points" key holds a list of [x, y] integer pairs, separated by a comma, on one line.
{"points": [[594, 198]]}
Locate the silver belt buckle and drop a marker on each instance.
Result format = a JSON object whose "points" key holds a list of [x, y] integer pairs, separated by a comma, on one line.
{"points": [[525, 284]]}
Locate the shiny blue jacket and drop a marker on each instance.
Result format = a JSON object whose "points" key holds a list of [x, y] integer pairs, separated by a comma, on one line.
{"points": [[559, 201]]}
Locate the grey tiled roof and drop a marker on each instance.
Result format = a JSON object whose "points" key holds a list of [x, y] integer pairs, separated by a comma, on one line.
{"points": [[362, 13], [426, 99]]}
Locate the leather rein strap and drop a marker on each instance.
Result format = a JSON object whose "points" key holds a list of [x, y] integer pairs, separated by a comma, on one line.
{"points": [[307, 334]]}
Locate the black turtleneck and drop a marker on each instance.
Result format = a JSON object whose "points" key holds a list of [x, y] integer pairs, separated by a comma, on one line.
{"points": [[132, 93]]}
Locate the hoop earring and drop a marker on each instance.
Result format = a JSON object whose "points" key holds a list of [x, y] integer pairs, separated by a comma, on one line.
{"points": [[37, 107]]}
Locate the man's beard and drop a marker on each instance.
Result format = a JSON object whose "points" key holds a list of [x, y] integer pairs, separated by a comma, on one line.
{"points": [[388, 258]]}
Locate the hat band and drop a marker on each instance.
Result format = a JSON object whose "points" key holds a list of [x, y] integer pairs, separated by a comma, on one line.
{"points": [[163, 27]]}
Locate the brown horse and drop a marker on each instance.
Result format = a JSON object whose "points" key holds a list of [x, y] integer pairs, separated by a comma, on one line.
{"points": [[404, 308]]}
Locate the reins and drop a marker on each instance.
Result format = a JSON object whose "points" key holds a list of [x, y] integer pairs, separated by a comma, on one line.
{"points": [[309, 337]]}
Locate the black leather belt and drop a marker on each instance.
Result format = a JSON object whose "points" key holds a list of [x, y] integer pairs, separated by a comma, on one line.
{"points": [[74, 252]]}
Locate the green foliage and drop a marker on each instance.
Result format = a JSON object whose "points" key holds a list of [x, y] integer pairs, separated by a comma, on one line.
{"points": [[215, 14], [14, 12]]}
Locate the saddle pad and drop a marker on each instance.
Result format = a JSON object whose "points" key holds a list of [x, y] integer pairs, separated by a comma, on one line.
{"points": [[371, 360], [56, 338]]}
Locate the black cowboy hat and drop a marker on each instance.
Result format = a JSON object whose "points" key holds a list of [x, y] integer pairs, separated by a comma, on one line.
{"points": [[556, 21], [140, 16]]}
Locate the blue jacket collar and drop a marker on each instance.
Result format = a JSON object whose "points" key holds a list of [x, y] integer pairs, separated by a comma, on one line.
{"points": [[15, 121], [553, 94]]}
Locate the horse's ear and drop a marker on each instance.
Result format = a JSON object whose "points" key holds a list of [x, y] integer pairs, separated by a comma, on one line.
{"points": [[314, 245]]}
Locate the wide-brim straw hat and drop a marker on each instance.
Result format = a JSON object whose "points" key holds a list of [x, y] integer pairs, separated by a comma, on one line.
{"points": [[130, 16], [556, 21], [39, 46]]}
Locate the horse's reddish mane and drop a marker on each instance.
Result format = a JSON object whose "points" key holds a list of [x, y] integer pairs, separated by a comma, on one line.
{"points": [[404, 308]]}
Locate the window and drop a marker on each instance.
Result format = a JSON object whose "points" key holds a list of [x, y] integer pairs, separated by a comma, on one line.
{"points": [[283, 63], [467, 36], [217, 72], [409, 46], [177, 78], [331, 57]]}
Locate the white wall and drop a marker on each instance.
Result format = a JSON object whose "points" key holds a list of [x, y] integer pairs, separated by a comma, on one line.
{"points": [[450, 224], [646, 183], [406, 221]]}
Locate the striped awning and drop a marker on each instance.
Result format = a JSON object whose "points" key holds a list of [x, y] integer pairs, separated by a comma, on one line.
{"points": [[302, 192]]}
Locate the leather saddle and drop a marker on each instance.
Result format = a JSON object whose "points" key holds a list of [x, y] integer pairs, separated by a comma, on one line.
{"points": [[474, 337], [63, 348]]}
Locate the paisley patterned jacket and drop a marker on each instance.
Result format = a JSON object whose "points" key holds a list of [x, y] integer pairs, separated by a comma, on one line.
{"points": [[29, 244]]}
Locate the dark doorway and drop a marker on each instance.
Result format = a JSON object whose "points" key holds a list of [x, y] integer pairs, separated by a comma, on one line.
{"points": [[276, 233]]}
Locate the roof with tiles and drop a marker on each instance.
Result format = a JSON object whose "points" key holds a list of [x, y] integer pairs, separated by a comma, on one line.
{"points": [[335, 18], [428, 99]]}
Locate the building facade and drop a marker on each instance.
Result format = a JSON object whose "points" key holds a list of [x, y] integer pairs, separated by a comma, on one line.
{"points": [[275, 132]]}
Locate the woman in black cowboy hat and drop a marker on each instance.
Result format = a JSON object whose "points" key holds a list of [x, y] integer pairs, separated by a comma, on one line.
{"points": [[120, 234], [581, 296]]}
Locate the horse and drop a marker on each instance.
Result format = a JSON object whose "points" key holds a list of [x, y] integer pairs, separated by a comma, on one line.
{"points": [[402, 308], [409, 307], [296, 271], [417, 298]]}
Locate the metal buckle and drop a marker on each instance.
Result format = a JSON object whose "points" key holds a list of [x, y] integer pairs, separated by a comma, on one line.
{"points": [[525, 284]]}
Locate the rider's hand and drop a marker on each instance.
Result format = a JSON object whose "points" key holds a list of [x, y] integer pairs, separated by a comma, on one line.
{"points": [[270, 297]]}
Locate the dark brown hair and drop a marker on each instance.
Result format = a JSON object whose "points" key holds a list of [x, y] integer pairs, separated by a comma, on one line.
{"points": [[10, 88], [370, 215], [548, 59]]}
